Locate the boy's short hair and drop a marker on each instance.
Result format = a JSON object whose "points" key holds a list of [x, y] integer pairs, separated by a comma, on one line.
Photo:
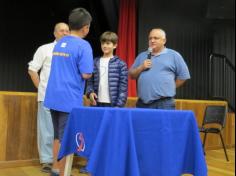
{"points": [[79, 18], [109, 37]]}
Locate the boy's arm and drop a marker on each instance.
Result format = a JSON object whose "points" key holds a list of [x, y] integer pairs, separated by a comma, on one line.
{"points": [[123, 86], [89, 88], [90, 91], [86, 76]]}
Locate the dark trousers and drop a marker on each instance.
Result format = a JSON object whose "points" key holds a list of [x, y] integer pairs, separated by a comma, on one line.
{"points": [[59, 120], [100, 104]]}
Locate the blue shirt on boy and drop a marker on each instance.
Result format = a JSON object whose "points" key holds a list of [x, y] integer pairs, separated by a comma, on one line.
{"points": [[72, 57], [159, 81]]}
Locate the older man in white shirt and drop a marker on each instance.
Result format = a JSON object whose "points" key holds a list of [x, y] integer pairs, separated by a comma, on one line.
{"points": [[42, 63]]}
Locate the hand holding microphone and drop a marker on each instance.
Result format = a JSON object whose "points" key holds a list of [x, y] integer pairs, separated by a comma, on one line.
{"points": [[147, 64]]}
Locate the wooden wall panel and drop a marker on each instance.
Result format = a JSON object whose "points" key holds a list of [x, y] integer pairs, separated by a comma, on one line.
{"points": [[13, 128], [3, 126], [23, 111], [230, 129], [28, 110], [19, 111], [18, 118]]}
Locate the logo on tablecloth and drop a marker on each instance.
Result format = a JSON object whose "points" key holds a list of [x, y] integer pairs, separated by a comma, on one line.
{"points": [[80, 142]]}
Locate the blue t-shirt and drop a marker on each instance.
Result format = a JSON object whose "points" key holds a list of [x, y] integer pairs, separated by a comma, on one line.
{"points": [[159, 81], [72, 57]]}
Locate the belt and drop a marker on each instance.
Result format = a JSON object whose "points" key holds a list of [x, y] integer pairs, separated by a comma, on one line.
{"points": [[164, 98], [160, 99]]}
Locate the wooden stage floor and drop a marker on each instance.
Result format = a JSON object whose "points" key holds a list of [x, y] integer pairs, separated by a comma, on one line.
{"points": [[217, 166]]}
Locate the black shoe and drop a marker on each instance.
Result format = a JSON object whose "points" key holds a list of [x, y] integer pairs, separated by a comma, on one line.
{"points": [[46, 167], [83, 170]]}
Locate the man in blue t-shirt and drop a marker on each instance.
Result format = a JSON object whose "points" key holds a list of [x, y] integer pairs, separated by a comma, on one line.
{"points": [[159, 72], [72, 64]]}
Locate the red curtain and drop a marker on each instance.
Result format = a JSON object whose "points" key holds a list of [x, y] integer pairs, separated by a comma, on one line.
{"points": [[127, 37]]}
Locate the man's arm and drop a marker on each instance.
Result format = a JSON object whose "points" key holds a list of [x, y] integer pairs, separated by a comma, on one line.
{"points": [[34, 77], [179, 82], [36, 64], [135, 72], [86, 76]]}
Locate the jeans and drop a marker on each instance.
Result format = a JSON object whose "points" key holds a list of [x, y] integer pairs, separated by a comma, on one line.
{"points": [[44, 134], [163, 103]]}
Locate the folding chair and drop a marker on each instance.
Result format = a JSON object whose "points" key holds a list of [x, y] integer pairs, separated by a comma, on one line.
{"points": [[214, 115]]}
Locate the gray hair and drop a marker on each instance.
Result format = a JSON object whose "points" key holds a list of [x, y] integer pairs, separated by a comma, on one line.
{"points": [[163, 33]]}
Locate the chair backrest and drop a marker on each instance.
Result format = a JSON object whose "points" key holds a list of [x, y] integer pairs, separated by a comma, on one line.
{"points": [[215, 115]]}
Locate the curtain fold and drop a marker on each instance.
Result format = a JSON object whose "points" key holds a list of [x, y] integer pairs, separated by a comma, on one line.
{"points": [[126, 49]]}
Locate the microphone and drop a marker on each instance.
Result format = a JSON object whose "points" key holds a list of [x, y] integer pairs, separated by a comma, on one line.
{"points": [[149, 53]]}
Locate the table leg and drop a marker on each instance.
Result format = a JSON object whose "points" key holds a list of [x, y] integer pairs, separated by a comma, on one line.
{"points": [[68, 165]]}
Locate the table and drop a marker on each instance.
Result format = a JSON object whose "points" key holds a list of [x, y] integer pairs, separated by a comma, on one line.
{"points": [[134, 142]]}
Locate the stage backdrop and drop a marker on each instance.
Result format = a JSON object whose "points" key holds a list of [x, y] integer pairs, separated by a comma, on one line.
{"points": [[193, 28]]}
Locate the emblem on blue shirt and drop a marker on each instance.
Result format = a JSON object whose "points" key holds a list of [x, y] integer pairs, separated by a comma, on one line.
{"points": [[63, 45], [80, 142]]}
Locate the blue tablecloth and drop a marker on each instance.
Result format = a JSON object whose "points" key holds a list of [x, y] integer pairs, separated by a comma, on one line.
{"points": [[135, 142]]}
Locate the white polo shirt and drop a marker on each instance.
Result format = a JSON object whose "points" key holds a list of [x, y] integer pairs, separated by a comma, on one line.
{"points": [[42, 62]]}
